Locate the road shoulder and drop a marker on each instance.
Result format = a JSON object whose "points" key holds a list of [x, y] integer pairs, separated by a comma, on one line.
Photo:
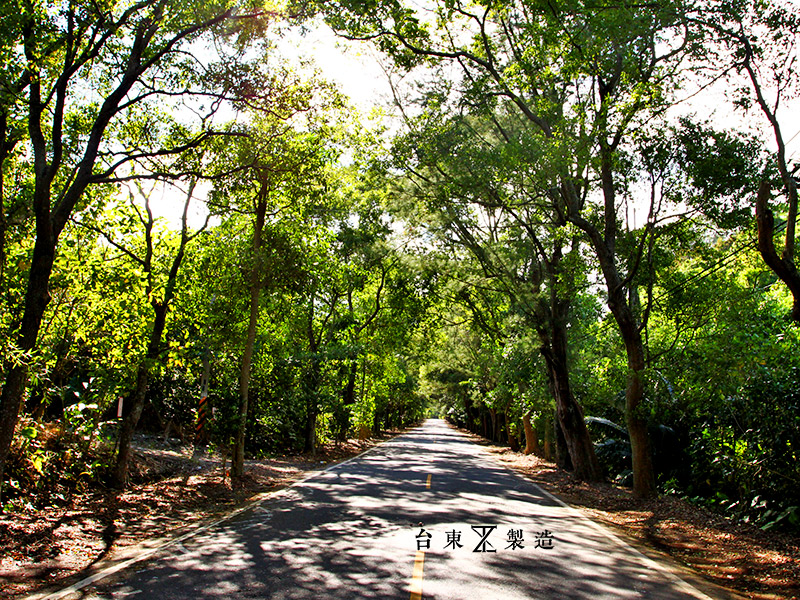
{"points": [[723, 559], [102, 532]]}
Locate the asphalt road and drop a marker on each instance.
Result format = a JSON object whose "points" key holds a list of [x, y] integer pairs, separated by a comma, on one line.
{"points": [[426, 515]]}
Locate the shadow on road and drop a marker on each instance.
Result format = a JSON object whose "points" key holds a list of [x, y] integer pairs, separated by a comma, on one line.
{"points": [[350, 532]]}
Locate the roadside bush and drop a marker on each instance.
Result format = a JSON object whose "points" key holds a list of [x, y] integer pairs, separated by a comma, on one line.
{"points": [[747, 455], [49, 462]]}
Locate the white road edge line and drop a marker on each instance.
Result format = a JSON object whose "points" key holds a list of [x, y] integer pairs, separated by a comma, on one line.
{"points": [[76, 587], [646, 560]]}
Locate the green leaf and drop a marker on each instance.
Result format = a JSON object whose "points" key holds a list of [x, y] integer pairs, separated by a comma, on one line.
{"points": [[29, 433]]}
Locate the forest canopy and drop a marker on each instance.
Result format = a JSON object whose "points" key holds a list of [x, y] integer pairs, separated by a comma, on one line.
{"points": [[572, 230]]}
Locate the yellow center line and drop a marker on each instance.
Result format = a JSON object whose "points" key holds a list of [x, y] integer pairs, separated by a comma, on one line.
{"points": [[419, 561], [416, 576]]}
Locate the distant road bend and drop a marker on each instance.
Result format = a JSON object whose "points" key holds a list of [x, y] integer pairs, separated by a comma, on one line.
{"points": [[426, 515]]}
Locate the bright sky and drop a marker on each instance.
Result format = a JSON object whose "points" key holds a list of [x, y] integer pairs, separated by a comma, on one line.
{"points": [[352, 65], [356, 68]]}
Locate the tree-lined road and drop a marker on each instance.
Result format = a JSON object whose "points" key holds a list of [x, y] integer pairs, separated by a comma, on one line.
{"points": [[353, 531]]}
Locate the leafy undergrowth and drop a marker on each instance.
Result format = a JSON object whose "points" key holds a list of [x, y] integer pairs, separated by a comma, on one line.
{"points": [[52, 548], [50, 462], [743, 559]]}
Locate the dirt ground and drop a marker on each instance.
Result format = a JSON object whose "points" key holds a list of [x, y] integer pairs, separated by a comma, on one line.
{"points": [[737, 560], [54, 548]]}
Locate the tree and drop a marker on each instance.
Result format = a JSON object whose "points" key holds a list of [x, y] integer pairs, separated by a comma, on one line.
{"points": [[368, 265], [284, 176], [159, 291], [82, 77], [761, 41], [481, 186], [726, 384], [581, 78]]}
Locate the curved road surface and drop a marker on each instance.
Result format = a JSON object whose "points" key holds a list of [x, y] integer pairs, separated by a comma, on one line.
{"points": [[426, 515]]}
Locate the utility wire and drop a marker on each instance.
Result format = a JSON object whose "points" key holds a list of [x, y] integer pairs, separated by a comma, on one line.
{"points": [[717, 265], [704, 274]]}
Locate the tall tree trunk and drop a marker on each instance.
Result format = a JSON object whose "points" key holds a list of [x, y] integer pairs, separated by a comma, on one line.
{"points": [[312, 389], [563, 459], [782, 265], [551, 326], [201, 430], [513, 441], [138, 396], [37, 297], [471, 425], [376, 424], [603, 244], [568, 412], [641, 456], [531, 438], [237, 460], [569, 416], [644, 485], [312, 381], [153, 352], [348, 400]]}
